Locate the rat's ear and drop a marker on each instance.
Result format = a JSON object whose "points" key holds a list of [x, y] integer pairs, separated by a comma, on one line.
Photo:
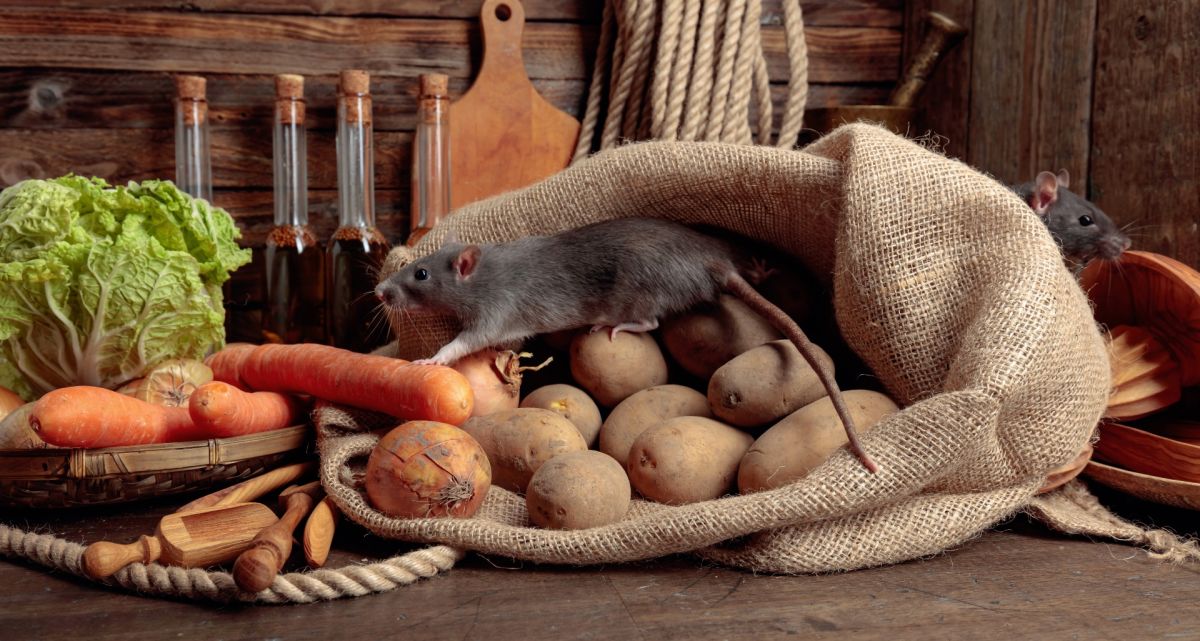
{"points": [[1064, 179], [467, 261], [1045, 192]]}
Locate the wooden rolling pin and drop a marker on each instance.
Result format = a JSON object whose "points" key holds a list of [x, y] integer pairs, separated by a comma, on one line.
{"points": [[189, 539], [256, 568]]}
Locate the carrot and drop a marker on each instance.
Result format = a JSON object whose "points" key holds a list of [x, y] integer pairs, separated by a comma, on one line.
{"points": [[379, 383], [220, 410], [85, 416]]}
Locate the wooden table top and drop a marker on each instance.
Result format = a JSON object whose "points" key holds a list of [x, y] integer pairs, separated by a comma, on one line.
{"points": [[1018, 581]]}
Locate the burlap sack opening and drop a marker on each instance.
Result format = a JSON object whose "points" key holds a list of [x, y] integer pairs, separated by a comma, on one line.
{"points": [[944, 282]]}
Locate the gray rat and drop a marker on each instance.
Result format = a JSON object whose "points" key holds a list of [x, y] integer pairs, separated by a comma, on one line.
{"points": [[1079, 227], [623, 274]]}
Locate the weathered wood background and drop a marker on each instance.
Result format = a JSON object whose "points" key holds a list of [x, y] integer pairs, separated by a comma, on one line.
{"points": [[1105, 89]]}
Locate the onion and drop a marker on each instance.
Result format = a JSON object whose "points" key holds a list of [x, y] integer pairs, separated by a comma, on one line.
{"points": [[495, 378], [427, 468], [170, 383], [9, 401]]}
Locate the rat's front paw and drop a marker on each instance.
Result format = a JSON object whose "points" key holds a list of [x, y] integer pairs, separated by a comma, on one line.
{"points": [[428, 361]]}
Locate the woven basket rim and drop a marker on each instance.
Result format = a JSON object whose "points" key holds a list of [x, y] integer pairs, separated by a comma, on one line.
{"points": [[116, 462]]}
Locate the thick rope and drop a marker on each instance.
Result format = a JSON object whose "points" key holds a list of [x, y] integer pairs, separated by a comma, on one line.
{"points": [[195, 583], [797, 48], [691, 70]]}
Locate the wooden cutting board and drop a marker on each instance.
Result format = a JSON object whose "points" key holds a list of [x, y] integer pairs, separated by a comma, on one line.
{"points": [[503, 134]]}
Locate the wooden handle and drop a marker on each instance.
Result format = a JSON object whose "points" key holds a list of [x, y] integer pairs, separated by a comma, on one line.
{"points": [[256, 568], [102, 560], [318, 532], [942, 34], [503, 22], [251, 489]]}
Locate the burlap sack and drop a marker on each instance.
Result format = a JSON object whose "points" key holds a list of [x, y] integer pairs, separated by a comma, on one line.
{"points": [[944, 282]]}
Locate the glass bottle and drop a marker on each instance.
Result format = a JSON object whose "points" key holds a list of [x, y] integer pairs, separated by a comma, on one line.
{"points": [[193, 164], [293, 277], [357, 249], [431, 156]]}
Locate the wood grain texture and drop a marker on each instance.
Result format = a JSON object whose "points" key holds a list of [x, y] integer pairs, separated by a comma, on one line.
{"points": [[1145, 148], [1017, 581], [944, 105], [503, 133], [873, 13], [268, 44], [1031, 88], [69, 99]]}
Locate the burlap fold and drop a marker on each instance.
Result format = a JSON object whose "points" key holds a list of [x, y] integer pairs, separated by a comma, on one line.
{"points": [[944, 282]]}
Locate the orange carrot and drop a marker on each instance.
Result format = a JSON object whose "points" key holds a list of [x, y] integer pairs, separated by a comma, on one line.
{"points": [[221, 410], [85, 416], [378, 383]]}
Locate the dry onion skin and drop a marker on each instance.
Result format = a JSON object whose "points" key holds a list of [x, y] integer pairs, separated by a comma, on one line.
{"points": [[427, 469], [170, 383], [9, 401]]}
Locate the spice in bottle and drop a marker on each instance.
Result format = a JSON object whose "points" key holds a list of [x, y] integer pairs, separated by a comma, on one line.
{"points": [[293, 275], [356, 252], [431, 156]]}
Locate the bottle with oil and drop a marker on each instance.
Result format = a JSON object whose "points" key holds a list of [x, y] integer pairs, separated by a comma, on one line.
{"points": [[355, 254], [293, 274]]}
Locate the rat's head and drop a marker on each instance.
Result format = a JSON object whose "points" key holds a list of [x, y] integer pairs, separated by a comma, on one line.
{"points": [[1082, 230], [434, 283]]}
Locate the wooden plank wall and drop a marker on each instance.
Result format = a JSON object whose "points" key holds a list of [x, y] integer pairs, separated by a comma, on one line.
{"points": [[85, 85], [1107, 89]]}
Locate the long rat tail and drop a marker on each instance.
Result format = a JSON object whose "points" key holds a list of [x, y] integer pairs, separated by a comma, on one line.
{"points": [[738, 286]]}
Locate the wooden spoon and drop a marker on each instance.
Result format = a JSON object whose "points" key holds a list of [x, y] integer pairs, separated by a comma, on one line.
{"points": [[1141, 451]]}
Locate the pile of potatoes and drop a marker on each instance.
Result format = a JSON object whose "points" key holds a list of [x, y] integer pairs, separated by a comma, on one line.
{"points": [[728, 407]]}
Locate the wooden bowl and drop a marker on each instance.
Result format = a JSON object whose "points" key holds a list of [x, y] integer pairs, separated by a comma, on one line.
{"points": [[64, 477], [1140, 451], [1145, 486]]}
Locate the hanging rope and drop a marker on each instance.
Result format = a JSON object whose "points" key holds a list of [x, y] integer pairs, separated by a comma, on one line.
{"points": [[692, 70]]}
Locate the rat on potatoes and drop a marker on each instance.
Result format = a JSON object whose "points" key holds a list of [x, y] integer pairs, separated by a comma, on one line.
{"points": [[1079, 227], [622, 274]]}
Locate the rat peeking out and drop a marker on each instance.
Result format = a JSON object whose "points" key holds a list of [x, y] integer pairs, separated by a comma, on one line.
{"points": [[1079, 227]]}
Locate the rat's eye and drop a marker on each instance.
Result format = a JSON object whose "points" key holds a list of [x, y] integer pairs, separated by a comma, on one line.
{"points": [[1085, 220], [422, 274]]}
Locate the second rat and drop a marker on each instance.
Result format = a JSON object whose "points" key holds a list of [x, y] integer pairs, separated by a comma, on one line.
{"points": [[621, 274], [1080, 228]]}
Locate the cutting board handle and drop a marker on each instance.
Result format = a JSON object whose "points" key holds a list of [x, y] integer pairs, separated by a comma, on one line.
{"points": [[503, 25]]}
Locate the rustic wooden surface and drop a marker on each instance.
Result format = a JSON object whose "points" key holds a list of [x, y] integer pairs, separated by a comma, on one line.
{"points": [[1145, 142], [504, 135], [1018, 581], [1031, 90]]}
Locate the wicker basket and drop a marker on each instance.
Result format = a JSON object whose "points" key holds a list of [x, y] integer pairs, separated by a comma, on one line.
{"points": [[54, 478]]}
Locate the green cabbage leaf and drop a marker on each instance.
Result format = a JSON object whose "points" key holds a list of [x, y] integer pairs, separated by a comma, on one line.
{"points": [[100, 283]]}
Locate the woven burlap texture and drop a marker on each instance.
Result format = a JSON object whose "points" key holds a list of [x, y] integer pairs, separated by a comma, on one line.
{"points": [[944, 282]]}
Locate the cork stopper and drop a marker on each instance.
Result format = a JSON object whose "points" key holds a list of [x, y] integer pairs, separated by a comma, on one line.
{"points": [[190, 93], [289, 85], [434, 85], [289, 98], [190, 87], [354, 82], [354, 89]]}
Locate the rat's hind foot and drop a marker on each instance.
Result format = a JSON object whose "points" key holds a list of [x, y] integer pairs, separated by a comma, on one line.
{"points": [[635, 327]]}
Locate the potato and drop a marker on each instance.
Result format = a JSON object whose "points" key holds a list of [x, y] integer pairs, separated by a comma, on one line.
{"points": [[765, 384], [796, 445], [573, 403], [518, 441], [686, 460], [644, 410], [578, 490], [613, 369], [706, 338]]}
